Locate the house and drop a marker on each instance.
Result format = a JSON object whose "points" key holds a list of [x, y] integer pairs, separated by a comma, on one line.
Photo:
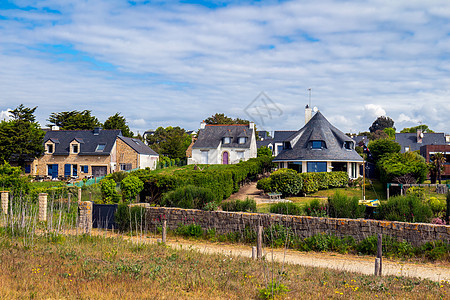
{"points": [[276, 143], [428, 152], [413, 141], [319, 147], [224, 144], [89, 153]]}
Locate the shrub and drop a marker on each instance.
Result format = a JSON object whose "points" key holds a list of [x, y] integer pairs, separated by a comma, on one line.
{"points": [[109, 193], [342, 206], [131, 186], [117, 176], [286, 181], [191, 230], [11, 179], [407, 208], [265, 184], [315, 209], [189, 196], [286, 208], [247, 205], [436, 205], [129, 218]]}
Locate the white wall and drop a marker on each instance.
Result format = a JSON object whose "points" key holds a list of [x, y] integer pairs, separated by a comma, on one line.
{"points": [[146, 160]]}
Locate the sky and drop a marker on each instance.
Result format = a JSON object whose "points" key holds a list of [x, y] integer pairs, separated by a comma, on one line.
{"points": [[175, 63]]}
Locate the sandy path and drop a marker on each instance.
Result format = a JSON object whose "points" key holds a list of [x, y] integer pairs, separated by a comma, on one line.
{"points": [[351, 263]]}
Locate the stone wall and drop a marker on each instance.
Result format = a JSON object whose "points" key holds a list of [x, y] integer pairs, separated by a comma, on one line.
{"points": [[126, 155], [303, 226]]}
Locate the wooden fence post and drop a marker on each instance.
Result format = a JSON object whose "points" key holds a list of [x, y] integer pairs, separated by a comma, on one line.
{"points": [[79, 194], [5, 199], [253, 252], [164, 231], [379, 254], [42, 206], [259, 242]]}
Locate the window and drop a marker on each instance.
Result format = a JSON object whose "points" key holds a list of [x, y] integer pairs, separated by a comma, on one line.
{"points": [[50, 148], [348, 145], [240, 154], [27, 169], [317, 144], [279, 149], [100, 147], [84, 169], [204, 157], [74, 170], [227, 140], [125, 167], [242, 140], [406, 149], [75, 148], [317, 166]]}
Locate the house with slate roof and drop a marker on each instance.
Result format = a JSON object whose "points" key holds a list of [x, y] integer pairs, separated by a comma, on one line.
{"points": [[319, 147], [413, 141], [90, 153], [224, 144], [276, 143]]}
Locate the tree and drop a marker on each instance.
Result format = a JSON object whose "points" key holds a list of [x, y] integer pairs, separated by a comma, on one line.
{"points": [[390, 132], [21, 138], [74, 120], [221, 119], [381, 147], [118, 122], [381, 123], [394, 166], [414, 129], [264, 151], [437, 166], [171, 141]]}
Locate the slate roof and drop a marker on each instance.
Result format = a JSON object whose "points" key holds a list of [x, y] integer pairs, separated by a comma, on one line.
{"points": [[318, 128], [410, 140], [89, 141], [138, 146], [211, 136], [361, 138]]}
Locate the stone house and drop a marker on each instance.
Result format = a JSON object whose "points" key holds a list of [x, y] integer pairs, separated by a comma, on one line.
{"points": [[90, 153], [224, 144]]}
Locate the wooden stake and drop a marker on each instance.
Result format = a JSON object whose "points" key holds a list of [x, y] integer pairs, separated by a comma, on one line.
{"points": [[253, 252], [164, 231], [380, 252], [259, 242]]}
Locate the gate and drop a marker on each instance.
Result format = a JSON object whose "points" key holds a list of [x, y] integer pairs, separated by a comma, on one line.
{"points": [[103, 216]]}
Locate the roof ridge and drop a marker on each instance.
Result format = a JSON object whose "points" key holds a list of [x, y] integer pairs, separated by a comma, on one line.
{"points": [[227, 124]]}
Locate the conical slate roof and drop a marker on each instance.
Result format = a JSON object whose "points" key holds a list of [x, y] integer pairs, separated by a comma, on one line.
{"points": [[298, 145]]}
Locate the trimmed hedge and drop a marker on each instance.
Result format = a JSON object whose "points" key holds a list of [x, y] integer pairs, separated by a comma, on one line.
{"points": [[290, 183], [222, 180], [286, 208], [189, 196], [248, 205]]}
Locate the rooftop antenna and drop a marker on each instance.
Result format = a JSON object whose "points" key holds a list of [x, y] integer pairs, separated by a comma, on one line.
{"points": [[309, 91]]}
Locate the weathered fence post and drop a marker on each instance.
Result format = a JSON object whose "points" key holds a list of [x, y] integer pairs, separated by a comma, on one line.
{"points": [[5, 198], [379, 256], [259, 242], [85, 216], [253, 252], [42, 206], [79, 194], [164, 231], [69, 195]]}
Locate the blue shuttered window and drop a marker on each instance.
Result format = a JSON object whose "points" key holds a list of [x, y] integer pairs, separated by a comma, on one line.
{"points": [[67, 169]]}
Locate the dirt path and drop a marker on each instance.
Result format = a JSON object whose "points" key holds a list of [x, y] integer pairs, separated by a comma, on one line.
{"points": [[350, 263], [250, 191]]}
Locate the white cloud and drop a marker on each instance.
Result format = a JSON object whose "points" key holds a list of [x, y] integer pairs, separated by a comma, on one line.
{"points": [[5, 115]]}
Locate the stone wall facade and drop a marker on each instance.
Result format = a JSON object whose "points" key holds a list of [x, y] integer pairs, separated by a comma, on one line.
{"points": [[302, 226], [126, 155]]}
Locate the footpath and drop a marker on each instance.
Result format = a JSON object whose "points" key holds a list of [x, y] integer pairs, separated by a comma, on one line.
{"points": [[351, 263]]}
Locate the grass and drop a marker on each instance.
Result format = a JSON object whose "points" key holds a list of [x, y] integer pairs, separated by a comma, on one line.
{"points": [[86, 267]]}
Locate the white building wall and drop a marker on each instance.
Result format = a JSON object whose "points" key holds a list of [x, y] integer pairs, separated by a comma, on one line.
{"points": [[146, 160]]}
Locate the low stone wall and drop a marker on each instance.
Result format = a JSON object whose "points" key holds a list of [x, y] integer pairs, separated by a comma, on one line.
{"points": [[303, 226]]}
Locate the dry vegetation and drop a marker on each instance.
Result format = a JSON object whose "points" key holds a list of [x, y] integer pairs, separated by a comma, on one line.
{"points": [[86, 267]]}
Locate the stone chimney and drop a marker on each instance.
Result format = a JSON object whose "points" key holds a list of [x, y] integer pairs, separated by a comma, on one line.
{"points": [[251, 125], [202, 125], [308, 113], [419, 136]]}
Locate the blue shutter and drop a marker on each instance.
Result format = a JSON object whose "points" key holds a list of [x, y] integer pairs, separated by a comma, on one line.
{"points": [[67, 168], [86, 169], [28, 169], [50, 170], [55, 171]]}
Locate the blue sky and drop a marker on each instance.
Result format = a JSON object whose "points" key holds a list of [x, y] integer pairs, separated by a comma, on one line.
{"points": [[176, 63]]}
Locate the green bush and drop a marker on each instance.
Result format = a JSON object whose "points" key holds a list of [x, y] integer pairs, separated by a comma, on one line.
{"points": [[436, 205], [129, 218], [408, 208], [109, 193], [189, 196], [247, 205], [131, 186], [286, 181], [315, 209], [191, 230], [117, 176], [11, 179], [325, 242], [342, 206], [286, 208], [265, 184]]}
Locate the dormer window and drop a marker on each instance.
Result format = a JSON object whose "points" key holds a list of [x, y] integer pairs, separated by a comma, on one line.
{"points": [[75, 148], [227, 140], [286, 145], [348, 145], [100, 147], [242, 140], [317, 144], [50, 148]]}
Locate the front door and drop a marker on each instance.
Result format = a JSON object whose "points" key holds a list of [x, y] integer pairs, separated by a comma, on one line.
{"points": [[52, 170], [225, 158], [98, 171]]}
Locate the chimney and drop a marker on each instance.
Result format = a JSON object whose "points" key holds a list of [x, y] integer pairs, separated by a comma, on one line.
{"points": [[251, 125], [308, 113], [419, 136], [55, 128], [202, 125], [97, 130]]}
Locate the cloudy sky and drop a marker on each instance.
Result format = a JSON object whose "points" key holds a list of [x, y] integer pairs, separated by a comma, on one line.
{"points": [[176, 63]]}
